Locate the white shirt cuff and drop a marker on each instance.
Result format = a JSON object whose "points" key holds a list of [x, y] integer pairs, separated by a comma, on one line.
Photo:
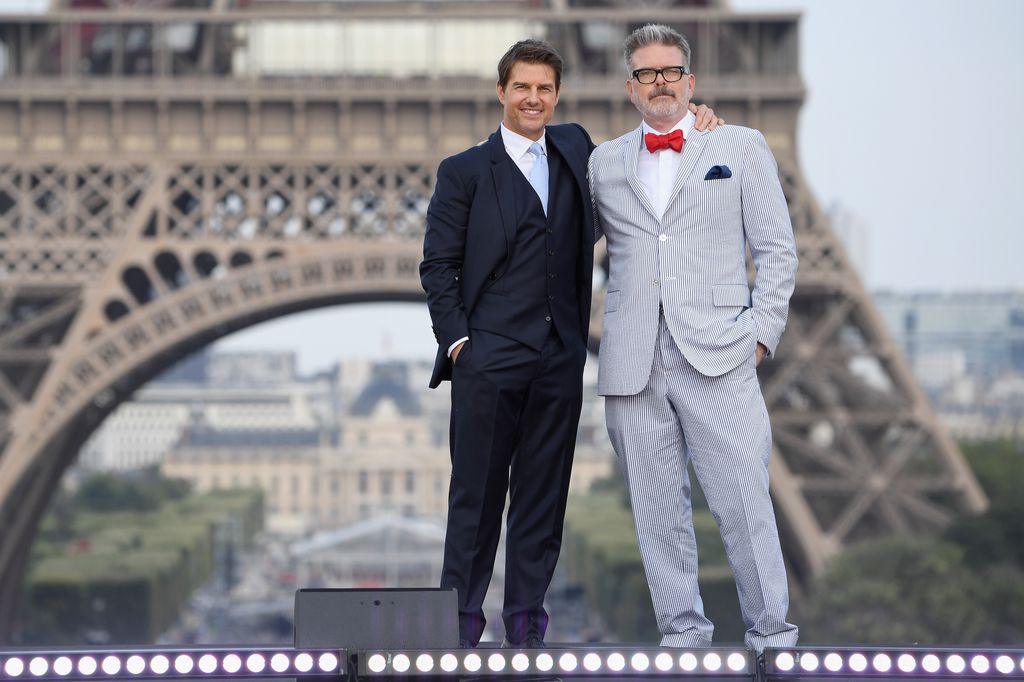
{"points": [[452, 347]]}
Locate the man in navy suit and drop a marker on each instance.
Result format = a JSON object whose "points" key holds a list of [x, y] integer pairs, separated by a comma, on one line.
{"points": [[507, 268]]}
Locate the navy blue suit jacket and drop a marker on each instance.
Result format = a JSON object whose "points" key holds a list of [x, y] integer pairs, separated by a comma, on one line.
{"points": [[471, 223]]}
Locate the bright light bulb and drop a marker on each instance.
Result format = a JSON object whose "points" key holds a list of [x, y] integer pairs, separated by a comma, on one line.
{"points": [[424, 663], [736, 662], [688, 662], [376, 663], [858, 663], [232, 663], [303, 663], [544, 662], [809, 662], [38, 666], [640, 662], [956, 664], [906, 663], [400, 663], [207, 664], [14, 667], [834, 662], [328, 662], [520, 662], [616, 662], [785, 661], [1004, 664], [449, 662], [63, 666], [496, 662], [663, 662], [980, 664], [111, 665], [472, 662], [931, 663], [87, 665], [255, 663], [882, 663], [184, 664], [567, 662]]}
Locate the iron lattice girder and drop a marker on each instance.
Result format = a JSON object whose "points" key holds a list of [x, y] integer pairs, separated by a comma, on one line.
{"points": [[123, 250]]}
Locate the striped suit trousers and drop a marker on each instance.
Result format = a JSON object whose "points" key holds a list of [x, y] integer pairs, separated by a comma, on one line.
{"points": [[720, 424]]}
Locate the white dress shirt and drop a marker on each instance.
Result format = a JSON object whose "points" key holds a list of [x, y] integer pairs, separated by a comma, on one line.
{"points": [[517, 147], [657, 171]]}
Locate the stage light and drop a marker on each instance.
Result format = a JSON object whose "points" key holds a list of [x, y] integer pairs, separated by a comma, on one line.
{"points": [[688, 662], [544, 662], [736, 662], [712, 662], [400, 663], [232, 663], [207, 664], [111, 665], [639, 662], [616, 662], [496, 663], [159, 664], [663, 662], [255, 663], [592, 662], [14, 667], [87, 665], [184, 664], [834, 662], [424, 663], [520, 662], [888, 663], [472, 662], [63, 666], [328, 662], [38, 666], [567, 662], [449, 663]]}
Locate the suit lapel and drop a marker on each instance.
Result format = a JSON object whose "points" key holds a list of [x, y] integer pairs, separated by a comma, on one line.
{"points": [[693, 149], [630, 154], [570, 154], [502, 167]]}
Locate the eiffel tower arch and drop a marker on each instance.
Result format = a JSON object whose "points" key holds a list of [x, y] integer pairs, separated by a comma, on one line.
{"points": [[171, 176]]}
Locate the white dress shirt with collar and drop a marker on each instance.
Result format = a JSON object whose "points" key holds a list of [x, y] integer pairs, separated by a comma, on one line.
{"points": [[657, 171]]}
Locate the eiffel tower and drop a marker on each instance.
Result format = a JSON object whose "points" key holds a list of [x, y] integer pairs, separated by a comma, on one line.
{"points": [[172, 175]]}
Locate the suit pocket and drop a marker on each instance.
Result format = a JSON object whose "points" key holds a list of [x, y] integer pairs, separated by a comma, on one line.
{"points": [[611, 301], [730, 295]]}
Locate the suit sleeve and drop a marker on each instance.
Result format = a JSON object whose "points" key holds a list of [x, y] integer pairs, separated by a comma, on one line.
{"points": [[769, 233], [592, 179], [444, 249]]}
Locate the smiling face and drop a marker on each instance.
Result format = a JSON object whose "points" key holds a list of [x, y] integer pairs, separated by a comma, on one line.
{"points": [[529, 98], [661, 104]]}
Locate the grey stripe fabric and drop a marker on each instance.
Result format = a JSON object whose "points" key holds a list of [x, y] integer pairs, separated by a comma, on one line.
{"points": [[693, 260], [721, 425], [677, 366]]}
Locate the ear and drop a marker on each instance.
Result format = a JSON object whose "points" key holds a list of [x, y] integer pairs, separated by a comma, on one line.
{"points": [[501, 93], [629, 88]]}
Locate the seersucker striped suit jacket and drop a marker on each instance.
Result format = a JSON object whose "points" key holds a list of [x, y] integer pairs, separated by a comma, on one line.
{"points": [[691, 261]]}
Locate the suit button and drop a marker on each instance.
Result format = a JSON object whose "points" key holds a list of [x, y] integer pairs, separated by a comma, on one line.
{"points": [[551, 298], [547, 318], [550, 231], [662, 237], [551, 253], [657, 282], [552, 275]]}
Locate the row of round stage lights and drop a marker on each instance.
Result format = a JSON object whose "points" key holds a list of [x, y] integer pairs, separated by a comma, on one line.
{"points": [[895, 662], [150, 664], [574, 662]]}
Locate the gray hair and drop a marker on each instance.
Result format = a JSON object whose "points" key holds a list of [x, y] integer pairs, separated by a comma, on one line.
{"points": [[654, 34]]}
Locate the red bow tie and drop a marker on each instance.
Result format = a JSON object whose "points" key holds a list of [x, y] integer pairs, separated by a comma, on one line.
{"points": [[673, 141]]}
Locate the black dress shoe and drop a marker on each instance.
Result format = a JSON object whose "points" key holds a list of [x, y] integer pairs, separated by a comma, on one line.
{"points": [[531, 642]]}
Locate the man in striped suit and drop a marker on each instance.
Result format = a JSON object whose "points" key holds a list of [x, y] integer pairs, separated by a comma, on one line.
{"points": [[683, 334]]}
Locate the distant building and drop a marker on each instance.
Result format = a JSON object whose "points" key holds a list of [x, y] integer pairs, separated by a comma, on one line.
{"points": [[967, 351]]}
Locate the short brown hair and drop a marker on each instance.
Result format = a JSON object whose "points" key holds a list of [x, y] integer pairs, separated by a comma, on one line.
{"points": [[532, 52]]}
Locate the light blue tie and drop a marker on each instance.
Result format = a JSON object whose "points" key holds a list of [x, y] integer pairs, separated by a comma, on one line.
{"points": [[539, 174]]}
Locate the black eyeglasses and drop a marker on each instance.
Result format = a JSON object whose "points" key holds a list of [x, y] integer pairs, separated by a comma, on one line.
{"points": [[670, 73]]}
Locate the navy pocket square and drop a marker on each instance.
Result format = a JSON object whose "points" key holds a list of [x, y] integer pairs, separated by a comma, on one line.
{"points": [[718, 172]]}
